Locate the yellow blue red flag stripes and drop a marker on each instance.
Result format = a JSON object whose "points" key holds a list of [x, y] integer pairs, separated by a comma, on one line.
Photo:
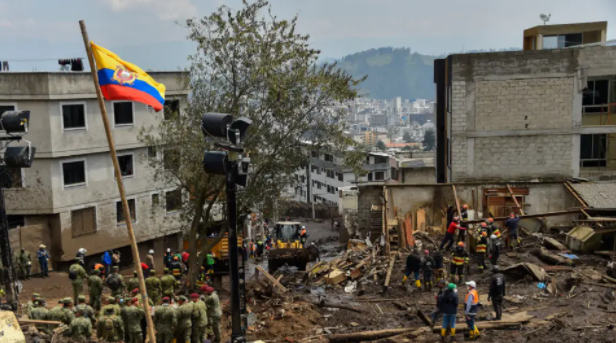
{"points": [[121, 80]]}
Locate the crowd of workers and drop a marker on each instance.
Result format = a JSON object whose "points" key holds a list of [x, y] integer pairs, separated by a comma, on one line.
{"points": [[487, 252], [121, 316]]}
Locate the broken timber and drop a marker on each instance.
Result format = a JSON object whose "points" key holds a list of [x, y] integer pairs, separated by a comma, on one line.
{"points": [[392, 259], [368, 335], [534, 215], [272, 279], [40, 322], [515, 200]]}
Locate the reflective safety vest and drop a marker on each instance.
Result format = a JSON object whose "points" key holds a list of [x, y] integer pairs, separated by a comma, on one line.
{"points": [[481, 247], [475, 296], [497, 233], [176, 272], [457, 260]]}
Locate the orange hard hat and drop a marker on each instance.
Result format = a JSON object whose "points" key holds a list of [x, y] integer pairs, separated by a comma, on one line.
{"points": [[491, 220], [484, 234], [465, 206], [461, 244]]}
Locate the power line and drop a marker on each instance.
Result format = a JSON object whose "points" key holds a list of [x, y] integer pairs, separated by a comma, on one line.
{"points": [[39, 59]]}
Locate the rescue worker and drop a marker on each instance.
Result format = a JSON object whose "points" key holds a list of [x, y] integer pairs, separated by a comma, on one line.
{"points": [[434, 316], [210, 260], [214, 312], [459, 259], [512, 225], [95, 288], [115, 281], [30, 305], [259, 247], [199, 319], [134, 316], [149, 259], [101, 268], [449, 309], [464, 226], [449, 235], [67, 311], [88, 311], [106, 261], [184, 314], [81, 253], [427, 267], [132, 282], [43, 257], [167, 258], [480, 250], [495, 249], [201, 277], [176, 268], [251, 248], [110, 327], [25, 263], [80, 328], [497, 291], [413, 265], [77, 274], [167, 283], [39, 312], [470, 309], [153, 287], [165, 322], [493, 228], [303, 236], [439, 271]]}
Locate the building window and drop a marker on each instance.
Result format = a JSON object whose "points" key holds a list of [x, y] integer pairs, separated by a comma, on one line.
{"points": [[318, 171], [593, 150], [369, 176], [171, 109], [314, 154], [4, 108], [74, 173], [394, 174], [340, 177], [152, 153], [123, 113], [329, 158], [120, 213], [16, 177], [173, 200], [319, 185], [562, 41], [313, 169], [155, 199], [74, 116], [330, 174], [126, 165], [83, 221], [596, 95], [379, 176], [16, 221]]}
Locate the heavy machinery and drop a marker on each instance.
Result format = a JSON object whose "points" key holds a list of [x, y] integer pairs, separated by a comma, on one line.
{"points": [[288, 249]]}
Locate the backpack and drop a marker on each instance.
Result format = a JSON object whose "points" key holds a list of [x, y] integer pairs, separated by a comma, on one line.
{"points": [[108, 327], [113, 282], [72, 274]]}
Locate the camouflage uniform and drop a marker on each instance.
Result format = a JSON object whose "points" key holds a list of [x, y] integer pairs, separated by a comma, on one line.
{"points": [[55, 314], [112, 305], [80, 328], [120, 288], [214, 313], [132, 283], [134, 316], [87, 310], [67, 312], [39, 312], [110, 327], [168, 284], [199, 321], [165, 321], [30, 304], [78, 282], [184, 329], [23, 261], [153, 287], [95, 287]]}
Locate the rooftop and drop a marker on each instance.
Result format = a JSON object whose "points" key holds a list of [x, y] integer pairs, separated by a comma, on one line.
{"points": [[597, 194]]}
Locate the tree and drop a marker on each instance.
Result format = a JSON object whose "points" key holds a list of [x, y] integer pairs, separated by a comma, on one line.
{"points": [[429, 140], [407, 137], [380, 145], [249, 63]]}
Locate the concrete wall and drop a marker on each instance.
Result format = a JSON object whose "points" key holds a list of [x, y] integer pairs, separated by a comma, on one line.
{"points": [[417, 175], [517, 115]]}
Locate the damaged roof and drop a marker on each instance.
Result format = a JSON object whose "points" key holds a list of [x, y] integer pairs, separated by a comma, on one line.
{"points": [[597, 194]]}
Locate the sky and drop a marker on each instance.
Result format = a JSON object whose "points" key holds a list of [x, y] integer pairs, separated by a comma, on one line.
{"points": [[151, 33]]}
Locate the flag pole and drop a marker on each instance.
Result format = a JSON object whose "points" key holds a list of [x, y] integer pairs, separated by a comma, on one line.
{"points": [[118, 177]]}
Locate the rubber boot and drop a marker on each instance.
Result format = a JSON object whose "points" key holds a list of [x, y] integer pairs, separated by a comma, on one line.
{"points": [[477, 334], [443, 333], [471, 334], [452, 334], [418, 284]]}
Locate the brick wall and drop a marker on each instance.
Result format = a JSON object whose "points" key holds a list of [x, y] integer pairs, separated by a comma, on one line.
{"points": [[524, 104], [367, 196]]}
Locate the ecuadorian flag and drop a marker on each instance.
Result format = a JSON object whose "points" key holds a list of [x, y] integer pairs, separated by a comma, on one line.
{"points": [[121, 80]]}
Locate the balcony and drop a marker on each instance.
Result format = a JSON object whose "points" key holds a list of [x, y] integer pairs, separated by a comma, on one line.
{"points": [[376, 166]]}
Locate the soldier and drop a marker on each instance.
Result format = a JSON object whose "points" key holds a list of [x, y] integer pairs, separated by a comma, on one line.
{"points": [[24, 263], [80, 328], [167, 283], [31, 303], [132, 282], [111, 303], [199, 319], [55, 314], [184, 329], [115, 281], [165, 322], [39, 312], [134, 316], [88, 311], [76, 274], [67, 311], [95, 287], [110, 327], [153, 287], [214, 312]]}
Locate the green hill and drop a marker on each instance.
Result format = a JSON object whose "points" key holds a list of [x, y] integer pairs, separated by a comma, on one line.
{"points": [[392, 72]]}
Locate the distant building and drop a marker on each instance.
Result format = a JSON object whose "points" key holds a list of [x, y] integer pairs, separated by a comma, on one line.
{"points": [[369, 138]]}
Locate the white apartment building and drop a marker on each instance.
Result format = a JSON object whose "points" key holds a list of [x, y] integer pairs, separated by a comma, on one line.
{"points": [[70, 189]]}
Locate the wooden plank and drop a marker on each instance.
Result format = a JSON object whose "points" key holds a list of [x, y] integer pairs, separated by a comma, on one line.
{"points": [[455, 195], [271, 279], [408, 229], [575, 194], [534, 215], [515, 200], [40, 322], [385, 229], [392, 259], [421, 220]]}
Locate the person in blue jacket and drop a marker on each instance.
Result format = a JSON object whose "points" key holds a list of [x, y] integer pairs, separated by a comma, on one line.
{"points": [[43, 257], [106, 260]]}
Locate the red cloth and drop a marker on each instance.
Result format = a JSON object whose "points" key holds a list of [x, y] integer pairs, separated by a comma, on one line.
{"points": [[452, 228], [144, 266], [185, 256]]}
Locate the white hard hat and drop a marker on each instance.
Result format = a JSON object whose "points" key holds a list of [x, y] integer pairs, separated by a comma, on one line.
{"points": [[303, 227], [151, 252], [493, 237], [168, 249], [471, 284]]}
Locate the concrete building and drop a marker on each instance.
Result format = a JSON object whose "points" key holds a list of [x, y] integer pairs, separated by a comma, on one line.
{"points": [[563, 36], [70, 189], [369, 138], [525, 115]]}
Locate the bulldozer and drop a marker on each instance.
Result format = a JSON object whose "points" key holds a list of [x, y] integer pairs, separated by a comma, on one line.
{"points": [[288, 249]]}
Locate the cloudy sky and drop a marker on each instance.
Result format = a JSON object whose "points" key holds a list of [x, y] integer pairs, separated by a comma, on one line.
{"points": [[150, 33]]}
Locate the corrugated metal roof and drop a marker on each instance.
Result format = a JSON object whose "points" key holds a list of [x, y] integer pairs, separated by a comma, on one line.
{"points": [[597, 194], [416, 163]]}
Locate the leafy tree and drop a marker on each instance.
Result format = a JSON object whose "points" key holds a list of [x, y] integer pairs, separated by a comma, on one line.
{"points": [[429, 141], [407, 137], [249, 63], [380, 145]]}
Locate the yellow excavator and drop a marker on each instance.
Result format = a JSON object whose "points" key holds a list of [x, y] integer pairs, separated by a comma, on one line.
{"points": [[288, 248]]}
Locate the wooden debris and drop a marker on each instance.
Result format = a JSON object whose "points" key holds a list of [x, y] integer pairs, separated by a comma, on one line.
{"points": [[535, 271], [367, 335], [392, 260], [551, 243], [599, 284], [34, 322], [424, 318], [335, 277], [270, 278], [324, 303], [548, 257]]}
